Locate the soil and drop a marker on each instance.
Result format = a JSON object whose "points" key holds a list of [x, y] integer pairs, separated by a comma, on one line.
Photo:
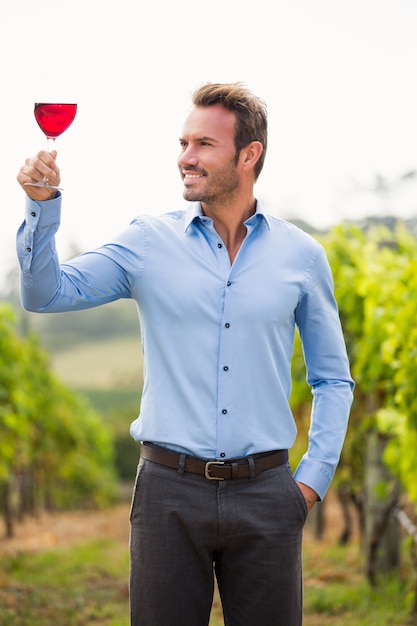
{"points": [[52, 530]]}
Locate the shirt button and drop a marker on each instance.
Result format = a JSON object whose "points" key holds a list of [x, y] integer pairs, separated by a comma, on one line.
{"points": [[219, 245], [224, 411], [225, 369], [223, 454], [28, 249], [228, 283], [33, 214], [227, 325]]}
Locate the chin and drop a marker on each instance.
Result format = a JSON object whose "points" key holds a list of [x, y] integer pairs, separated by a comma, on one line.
{"points": [[191, 196]]}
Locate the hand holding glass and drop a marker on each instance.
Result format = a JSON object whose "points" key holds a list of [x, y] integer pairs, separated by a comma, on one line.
{"points": [[53, 120]]}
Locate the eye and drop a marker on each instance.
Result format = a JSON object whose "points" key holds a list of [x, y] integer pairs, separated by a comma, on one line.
{"points": [[183, 144]]}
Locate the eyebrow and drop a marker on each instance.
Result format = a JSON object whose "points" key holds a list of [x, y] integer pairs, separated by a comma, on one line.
{"points": [[204, 138]]}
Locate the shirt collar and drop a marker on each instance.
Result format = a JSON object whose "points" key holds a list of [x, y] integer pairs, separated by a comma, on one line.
{"points": [[194, 213]]}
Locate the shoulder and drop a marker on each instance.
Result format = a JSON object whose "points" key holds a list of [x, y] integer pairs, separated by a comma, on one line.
{"points": [[293, 234], [300, 249], [161, 221]]}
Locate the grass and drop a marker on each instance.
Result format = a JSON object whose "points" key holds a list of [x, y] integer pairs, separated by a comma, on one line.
{"points": [[87, 585], [81, 585], [113, 363], [337, 592]]}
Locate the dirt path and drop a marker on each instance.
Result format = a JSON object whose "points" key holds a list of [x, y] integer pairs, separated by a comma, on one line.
{"points": [[50, 531]]}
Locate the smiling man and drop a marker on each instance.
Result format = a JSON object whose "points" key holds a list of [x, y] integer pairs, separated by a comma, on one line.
{"points": [[221, 287]]}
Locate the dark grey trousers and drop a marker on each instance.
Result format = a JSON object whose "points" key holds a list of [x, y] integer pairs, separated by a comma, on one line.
{"points": [[248, 533]]}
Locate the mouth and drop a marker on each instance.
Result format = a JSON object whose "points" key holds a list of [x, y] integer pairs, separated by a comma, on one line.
{"points": [[190, 176]]}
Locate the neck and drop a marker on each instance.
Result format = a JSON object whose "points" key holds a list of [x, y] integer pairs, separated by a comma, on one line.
{"points": [[228, 221]]}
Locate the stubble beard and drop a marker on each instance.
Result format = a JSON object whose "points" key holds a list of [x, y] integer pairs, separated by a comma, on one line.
{"points": [[218, 188]]}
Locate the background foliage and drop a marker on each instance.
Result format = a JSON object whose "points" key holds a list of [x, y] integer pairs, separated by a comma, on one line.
{"points": [[375, 276], [55, 450]]}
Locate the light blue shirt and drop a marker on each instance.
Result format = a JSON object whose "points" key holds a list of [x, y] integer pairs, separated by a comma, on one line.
{"points": [[217, 337]]}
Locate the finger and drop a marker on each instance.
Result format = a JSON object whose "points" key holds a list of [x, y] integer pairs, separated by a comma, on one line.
{"points": [[42, 166], [35, 170]]}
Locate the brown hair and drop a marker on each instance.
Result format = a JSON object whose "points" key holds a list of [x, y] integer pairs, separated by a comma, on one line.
{"points": [[250, 111]]}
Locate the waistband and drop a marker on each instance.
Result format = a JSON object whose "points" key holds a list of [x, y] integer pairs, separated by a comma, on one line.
{"points": [[241, 467]]}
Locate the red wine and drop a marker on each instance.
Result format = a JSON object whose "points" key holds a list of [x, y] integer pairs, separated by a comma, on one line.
{"points": [[53, 119]]}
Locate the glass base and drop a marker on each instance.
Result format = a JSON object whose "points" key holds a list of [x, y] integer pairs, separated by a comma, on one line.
{"points": [[43, 184]]}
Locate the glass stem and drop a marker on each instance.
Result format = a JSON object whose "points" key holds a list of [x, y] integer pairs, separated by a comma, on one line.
{"points": [[50, 143]]}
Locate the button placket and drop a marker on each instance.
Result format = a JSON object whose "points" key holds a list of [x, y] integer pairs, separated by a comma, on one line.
{"points": [[225, 408]]}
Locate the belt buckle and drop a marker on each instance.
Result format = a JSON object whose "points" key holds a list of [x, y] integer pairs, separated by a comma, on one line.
{"points": [[207, 470]]}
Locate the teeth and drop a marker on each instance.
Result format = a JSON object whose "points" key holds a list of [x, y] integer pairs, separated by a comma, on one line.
{"points": [[192, 175]]}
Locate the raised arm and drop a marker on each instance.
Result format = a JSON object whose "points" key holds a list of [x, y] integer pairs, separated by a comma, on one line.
{"points": [[36, 168], [87, 281]]}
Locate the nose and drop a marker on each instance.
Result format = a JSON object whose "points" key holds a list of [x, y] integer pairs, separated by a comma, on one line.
{"points": [[188, 156]]}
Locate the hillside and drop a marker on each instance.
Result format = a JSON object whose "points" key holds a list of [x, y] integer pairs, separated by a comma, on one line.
{"points": [[94, 349], [111, 363]]}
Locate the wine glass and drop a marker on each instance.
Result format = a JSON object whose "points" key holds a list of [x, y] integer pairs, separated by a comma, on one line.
{"points": [[53, 118]]}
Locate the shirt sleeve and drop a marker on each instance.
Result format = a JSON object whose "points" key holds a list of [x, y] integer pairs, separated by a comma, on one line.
{"points": [[89, 280], [328, 375]]}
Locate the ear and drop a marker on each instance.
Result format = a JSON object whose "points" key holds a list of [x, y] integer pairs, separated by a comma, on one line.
{"points": [[250, 154]]}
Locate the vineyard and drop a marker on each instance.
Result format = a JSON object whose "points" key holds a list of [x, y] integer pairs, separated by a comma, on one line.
{"points": [[375, 277], [57, 452], [376, 287], [54, 451]]}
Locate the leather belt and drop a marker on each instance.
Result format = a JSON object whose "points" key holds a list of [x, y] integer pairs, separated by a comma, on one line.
{"points": [[242, 467]]}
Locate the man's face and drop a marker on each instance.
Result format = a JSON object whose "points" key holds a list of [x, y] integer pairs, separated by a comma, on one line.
{"points": [[207, 159]]}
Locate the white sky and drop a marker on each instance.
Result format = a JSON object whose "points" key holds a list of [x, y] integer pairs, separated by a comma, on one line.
{"points": [[339, 79]]}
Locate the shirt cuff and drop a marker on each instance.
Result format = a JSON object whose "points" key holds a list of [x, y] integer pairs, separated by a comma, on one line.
{"points": [[44, 213], [314, 474]]}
